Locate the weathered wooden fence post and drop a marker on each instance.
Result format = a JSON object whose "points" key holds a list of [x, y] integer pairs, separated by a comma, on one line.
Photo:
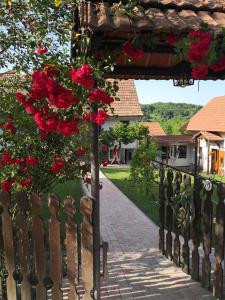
{"points": [[71, 248], [169, 215], [39, 248], [22, 230], [8, 244], [86, 207], [54, 247], [219, 243], [207, 240], [161, 210], [186, 235], [196, 228], [176, 255]]}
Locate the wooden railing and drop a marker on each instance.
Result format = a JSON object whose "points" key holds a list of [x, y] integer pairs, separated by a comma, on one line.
{"points": [[40, 258], [197, 247]]}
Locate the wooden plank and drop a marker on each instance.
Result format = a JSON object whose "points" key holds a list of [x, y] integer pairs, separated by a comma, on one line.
{"points": [[196, 229], [71, 248], [8, 245], [176, 255], [186, 235], [3, 294], [23, 244], [169, 215], [86, 207], [207, 239], [39, 252], [55, 249], [219, 243], [161, 210]]}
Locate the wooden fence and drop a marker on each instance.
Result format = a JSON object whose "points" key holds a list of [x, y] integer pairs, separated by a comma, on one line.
{"points": [[45, 259], [197, 245]]}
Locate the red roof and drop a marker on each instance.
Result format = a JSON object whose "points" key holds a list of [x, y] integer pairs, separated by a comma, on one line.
{"points": [[210, 118], [154, 128], [175, 139], [128, 104]]}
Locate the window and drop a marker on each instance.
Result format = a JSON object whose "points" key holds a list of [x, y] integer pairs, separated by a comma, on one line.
{"points": [[182, 151], [125, 122]]}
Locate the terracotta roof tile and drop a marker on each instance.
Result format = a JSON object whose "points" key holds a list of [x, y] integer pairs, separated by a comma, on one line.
{"points": [[154, 128], [209, 136], [175, 139], [128, 104], [159, 16], [210, 118]]}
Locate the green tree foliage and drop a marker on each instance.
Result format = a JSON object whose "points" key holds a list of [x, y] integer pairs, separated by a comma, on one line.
{"points": [[142, 171], [171, 116]]}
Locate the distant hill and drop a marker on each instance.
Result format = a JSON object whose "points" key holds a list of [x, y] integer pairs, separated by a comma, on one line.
{"points": [[170, 115]]}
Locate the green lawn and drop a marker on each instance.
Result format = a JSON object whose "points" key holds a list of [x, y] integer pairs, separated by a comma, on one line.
{"points": [[147, 203], [70, 188]]}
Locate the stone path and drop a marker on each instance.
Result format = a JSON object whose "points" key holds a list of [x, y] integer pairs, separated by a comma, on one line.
{"points": [[136, 268]]}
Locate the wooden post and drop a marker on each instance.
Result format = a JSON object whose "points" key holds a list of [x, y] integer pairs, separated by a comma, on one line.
{"points": [[169, 215], [208, 158], [96, 207], [196, 157], [161, 210]]}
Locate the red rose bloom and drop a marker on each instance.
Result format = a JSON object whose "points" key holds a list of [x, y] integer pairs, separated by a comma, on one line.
{"points": [[51, 71], [2, 164], [219, 67], [62, 98], [100, 97], [83, 76], [20, 97], [100, 118], [172, 39], [9, 127], [57, 166], [129, 50], [27, 182], [105, 162], [41, 51], [87, 180], [7, 185], [68, 128], [6, 157], [104, 148], [31, 161], [80, 152], [200, 72], [87, 117]]}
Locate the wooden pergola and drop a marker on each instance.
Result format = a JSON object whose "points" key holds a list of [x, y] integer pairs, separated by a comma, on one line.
{"points": [[109, 31]]}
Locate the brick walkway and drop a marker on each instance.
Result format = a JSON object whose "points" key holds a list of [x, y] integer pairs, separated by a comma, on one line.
{"points": [[136, 268]]}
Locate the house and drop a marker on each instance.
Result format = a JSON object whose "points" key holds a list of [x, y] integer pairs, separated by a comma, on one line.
{"points": [[208, 128], [128, 111]]}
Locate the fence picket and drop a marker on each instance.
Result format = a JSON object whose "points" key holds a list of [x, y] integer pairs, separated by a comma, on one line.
{"points": [[196, 229], [219, 243], [39, 253], [176, 255], [8, 244], [162, 211], [169, 215], [86, 207], [54, 247], [71, 247], [186, 235]]}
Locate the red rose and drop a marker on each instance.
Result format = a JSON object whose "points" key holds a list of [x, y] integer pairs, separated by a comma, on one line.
{"points": [[20, 97], [57, 166], [105, 162], [7, 185], [80, 152], [100, 118], [2, 164], [172, 39], [68, 128], [104, 148], [87, 180], [219, 67], [41, 51], [87, 117], [62, 98], [100, 97], [129, 50], [200, 72], [51, 71], [31, 161], [27, 182], [83, 76], [6, 157], [9, 127]]}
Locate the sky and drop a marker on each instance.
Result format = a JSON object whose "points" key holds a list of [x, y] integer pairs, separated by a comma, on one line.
{"points": [[150, 91]]}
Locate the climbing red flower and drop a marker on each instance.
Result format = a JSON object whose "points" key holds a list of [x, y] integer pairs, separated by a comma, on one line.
{"points": [[8, 126], [172, 39], [105, 162], [100, 118], [80, 151], [57, 166], [6, 157], [68, 128], [31, 161], [100, 97], [26, 182], [41, 51], [200, 72], [129, 50], [83, 76], [7, 185]]}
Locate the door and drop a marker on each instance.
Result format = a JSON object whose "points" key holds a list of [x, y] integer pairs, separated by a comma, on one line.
{"points": [[221, 163], [214, 161]]}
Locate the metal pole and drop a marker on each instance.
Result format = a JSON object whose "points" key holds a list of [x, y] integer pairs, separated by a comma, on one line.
{"points": [[96, 208]]}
